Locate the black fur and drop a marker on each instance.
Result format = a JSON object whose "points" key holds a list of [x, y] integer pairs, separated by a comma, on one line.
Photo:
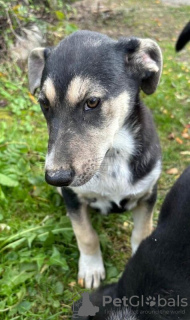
{"points": [[160, 267], [148, 151], [71, 200], [184, 37]]}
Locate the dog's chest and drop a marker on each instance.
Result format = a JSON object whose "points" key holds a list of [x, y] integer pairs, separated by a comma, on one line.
{"points": [[112, 184]]}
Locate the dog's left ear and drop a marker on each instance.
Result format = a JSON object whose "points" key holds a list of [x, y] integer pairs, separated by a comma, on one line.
{"points": [[36, 62], [144, 57]]}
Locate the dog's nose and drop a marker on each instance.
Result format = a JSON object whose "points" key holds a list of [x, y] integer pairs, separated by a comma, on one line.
{"points": [[59, 178]]}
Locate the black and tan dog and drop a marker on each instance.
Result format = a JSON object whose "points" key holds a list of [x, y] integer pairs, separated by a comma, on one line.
{"points": [[156, 282], [103, 149]]}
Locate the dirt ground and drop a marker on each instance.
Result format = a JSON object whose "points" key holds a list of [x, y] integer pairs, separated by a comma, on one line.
{"points": [[176, 2], [126, 18]]}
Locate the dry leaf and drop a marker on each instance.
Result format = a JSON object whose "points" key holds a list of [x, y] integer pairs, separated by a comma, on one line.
{"points": [[172, 171], [178, 140], [185, 130], [125, 224], [32, 98], [72, 284], [185, 135], [171, 136]]}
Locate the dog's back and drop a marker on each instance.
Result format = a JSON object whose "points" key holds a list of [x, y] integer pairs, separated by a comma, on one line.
{"points": [[184, 37], [161, 266], [176, 206], [160, 269]]}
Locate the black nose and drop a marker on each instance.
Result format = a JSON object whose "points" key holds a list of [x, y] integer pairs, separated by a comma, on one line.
{"points": [[59, 178]]}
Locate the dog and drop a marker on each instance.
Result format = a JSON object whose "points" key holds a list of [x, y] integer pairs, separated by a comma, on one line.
{"points": [[103, 148], [183, 38], [156, 282]]}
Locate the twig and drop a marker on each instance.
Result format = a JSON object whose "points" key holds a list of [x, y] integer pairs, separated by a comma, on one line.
{"points": [[10, 24]]}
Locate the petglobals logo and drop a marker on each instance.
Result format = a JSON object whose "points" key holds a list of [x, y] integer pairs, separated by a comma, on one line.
{"points": [[136, 301]]}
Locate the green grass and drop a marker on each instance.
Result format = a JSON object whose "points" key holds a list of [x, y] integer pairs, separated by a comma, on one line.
{"points": [[38, 252]]}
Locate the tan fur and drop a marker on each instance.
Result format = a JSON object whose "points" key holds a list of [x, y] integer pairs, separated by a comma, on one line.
{"points": [[117, 108], [79, 87], [87, 238], [142, 224], [49, 90]]}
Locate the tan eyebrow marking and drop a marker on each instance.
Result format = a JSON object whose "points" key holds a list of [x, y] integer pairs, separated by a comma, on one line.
{"points": [[79, 87], [49, 90]]}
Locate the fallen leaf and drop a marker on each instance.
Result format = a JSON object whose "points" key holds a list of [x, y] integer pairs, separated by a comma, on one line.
{"points": [[32, 98], [125, 224], [171, 136], [172, 171], [72, 284], [178, 140], [185, 135], [2, 74], [185, 130]]}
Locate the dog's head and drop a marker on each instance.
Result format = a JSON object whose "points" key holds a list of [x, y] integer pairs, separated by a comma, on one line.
{"points": [[88, 85]]}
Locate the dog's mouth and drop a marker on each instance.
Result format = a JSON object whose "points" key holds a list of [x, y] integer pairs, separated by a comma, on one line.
{"points": [[91, 174], [83, 179]]}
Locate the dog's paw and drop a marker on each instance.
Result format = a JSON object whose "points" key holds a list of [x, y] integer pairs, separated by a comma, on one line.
{"points": [[91, 270]]}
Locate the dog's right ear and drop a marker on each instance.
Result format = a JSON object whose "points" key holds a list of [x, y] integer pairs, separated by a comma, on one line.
{"points": [[36, 62]]}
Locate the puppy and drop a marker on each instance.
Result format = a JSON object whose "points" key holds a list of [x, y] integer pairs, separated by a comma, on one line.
{"points": [[156, 282], [184, 37], [103, 149]]}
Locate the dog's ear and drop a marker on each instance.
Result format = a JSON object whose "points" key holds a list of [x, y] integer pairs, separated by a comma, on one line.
{"points": [[144, 57], [184, 37], [36, 62]]}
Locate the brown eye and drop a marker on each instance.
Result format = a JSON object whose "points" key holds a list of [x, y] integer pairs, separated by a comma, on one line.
{"points": [[44, 104], [92, 103]]}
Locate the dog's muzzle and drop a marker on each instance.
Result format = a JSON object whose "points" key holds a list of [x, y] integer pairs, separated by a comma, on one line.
{"points": [[59, 178]]}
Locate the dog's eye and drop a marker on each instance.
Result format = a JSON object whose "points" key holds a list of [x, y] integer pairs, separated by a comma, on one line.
{"points": [[92, 103], [44, 103]]}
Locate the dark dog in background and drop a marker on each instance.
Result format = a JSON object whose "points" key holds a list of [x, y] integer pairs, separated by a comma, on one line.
{"points": [[184, 37], [103, 148], [156, 282]]}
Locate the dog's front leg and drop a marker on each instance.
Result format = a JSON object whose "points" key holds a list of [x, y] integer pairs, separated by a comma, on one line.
{"points": [[91, 267], [142, 217]]}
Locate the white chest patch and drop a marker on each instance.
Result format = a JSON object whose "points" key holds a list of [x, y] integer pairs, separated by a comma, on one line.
{"points": [[113, 181], [115, 185]]}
